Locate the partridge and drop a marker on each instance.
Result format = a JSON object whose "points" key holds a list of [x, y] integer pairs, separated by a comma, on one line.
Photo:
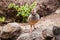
{"points": [[33, 19]]}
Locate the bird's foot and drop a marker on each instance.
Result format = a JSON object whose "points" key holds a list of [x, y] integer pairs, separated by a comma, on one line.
{"points": [[35, 27], [31, 31]]}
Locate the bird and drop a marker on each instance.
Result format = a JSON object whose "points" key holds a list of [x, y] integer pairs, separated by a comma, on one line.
{"points": [[33, 18]]}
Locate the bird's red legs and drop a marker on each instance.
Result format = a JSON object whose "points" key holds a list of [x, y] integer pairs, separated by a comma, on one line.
{"points": [[30, 28], [34, 26]]}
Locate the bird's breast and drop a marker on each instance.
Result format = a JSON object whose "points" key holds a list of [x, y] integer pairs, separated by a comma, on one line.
{"points": [[36, 17], [33, 19]]}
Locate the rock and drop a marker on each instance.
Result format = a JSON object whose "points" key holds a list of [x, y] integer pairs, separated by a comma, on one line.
{"points": [[58, 11], [47, 34], [56, 32], [35, 35], [57, 37], [25, 29], [47, 7], [48, 38], [11, 30], [25, 36]]}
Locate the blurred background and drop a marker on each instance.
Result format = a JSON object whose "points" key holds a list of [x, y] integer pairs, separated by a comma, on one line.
{"points": [[19, 10]]}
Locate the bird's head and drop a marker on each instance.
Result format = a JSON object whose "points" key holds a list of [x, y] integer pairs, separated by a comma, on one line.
{"points": [[33, 12]]}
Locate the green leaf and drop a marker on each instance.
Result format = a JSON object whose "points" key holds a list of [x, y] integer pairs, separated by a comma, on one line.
{"points": [[33, 5], [16, 7], [27, 5], [18, 13], [2, 19], [11, 5], [19, 9]]}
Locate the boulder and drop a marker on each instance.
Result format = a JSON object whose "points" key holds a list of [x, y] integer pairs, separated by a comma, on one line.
{"points": [[25, 36], [56, 32], [11, 30], [35, 35], [47, 7]]}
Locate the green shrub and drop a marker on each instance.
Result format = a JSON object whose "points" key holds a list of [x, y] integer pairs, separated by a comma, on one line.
{"points": [[11, 5], [2, 19], [24, 10]]}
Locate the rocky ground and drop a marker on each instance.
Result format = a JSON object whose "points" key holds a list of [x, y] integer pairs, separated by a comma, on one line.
{"points": [[44, 29], [47, 22]]}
